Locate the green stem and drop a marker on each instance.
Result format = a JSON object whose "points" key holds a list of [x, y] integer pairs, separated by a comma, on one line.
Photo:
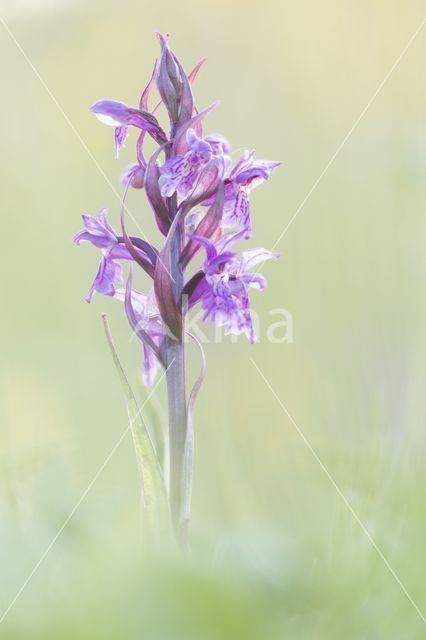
{"points": [[177, 430], [177, 406]]}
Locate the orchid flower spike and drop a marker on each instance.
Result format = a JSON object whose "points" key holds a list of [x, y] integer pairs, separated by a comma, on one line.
{"points": [[200, 202]]}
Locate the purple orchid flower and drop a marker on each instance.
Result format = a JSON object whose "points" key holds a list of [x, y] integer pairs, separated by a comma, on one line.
{"points": [[247, 174], [100, 233], [224, 291], [121, 116], [181, 172], [109, 273], [218, 143]]}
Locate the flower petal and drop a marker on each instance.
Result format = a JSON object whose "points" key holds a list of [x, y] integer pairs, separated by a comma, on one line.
{"points": [[253, 257], [98, 231], [108, 273], [180, 143], [118, 114], [120, 137]]}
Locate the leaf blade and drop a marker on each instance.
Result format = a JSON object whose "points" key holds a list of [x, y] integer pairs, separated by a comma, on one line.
{"points": [[153, 491]]}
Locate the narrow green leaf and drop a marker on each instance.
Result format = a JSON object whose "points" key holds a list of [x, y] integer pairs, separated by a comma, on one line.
{"points": [[154, 498]]}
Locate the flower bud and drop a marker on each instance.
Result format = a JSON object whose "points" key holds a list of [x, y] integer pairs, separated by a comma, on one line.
{"points": [[168, 81], [174, 87], [135, 175]]}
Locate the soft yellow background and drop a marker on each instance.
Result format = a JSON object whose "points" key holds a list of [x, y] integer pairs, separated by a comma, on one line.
{"points": [[276, 551]]}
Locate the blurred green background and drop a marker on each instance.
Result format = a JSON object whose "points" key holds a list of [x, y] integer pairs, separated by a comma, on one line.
{"points": [[276, 553]]}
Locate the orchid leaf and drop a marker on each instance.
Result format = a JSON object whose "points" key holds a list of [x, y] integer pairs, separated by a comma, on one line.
{"points": [[136, 254], [207, 227], [154, 196], [164, 284], [155, 508]]}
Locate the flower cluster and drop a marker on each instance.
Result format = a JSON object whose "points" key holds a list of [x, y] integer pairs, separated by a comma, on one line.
{"points": [[200, 201]]}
